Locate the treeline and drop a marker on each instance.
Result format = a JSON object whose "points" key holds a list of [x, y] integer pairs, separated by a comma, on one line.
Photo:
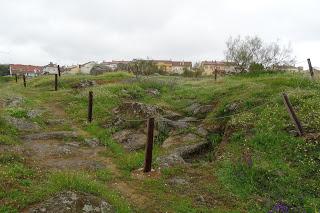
{"points": [[4, 70]]}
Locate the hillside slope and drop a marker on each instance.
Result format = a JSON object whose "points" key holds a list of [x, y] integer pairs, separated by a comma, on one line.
{"points": [[220, 146]]}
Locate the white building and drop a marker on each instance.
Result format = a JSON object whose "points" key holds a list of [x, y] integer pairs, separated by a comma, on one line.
{"points": [[50, 69], [87, 67]]}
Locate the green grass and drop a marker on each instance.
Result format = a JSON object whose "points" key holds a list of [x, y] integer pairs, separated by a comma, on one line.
{"points": [[8, 134], [285, 168]]}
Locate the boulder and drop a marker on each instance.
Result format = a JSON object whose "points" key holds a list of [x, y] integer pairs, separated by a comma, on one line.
{"points": [[181, 155], [203, 109], [174, 124], [198, 109], [84, 84], [182, 139], [193, 107], [202, 131], [188, 152], [130, 139], [136, 109], [72, 202], [171, 160]]}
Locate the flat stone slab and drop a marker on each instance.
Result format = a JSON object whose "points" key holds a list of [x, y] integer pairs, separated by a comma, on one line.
{"points": [[131, 139], [52, 135], [22, 124], [181, 140], [72, 202], [181, 155]]}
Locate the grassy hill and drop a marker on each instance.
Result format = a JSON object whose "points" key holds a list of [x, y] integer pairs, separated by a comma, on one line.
{"points": [[256, 162]]}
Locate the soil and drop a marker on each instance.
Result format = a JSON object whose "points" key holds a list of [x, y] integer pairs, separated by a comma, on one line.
{"points": [[57, 154]]}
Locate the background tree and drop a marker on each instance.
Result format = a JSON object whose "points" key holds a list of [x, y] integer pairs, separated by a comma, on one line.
{"points": [[246, 51], [143, 67], [4, 70]]}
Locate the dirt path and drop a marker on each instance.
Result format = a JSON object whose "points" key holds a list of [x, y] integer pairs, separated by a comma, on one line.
{"points": [[64, 155]]}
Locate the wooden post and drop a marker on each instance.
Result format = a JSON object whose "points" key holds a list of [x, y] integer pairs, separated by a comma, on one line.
{"points": [[16, 78], [149, 146], [24, 80], [215, 74], [310, 68], [56, 82], [292, 114], [90, 108], [59, 71]]}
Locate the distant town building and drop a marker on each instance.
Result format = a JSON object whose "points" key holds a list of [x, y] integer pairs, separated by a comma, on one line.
{"points": [[179, 66], [222, 67], [165, 65], [73, 69], [28, 70], [170, 66], [51, 68], [87, 67], [288, 68], [114, 65], [80, 68]]}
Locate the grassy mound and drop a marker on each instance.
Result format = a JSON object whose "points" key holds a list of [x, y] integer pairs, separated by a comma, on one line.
{"points": [[257, 164]]}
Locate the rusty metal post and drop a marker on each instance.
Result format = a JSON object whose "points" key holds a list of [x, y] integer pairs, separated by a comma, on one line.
{"points": [[90, 107], [24, 80], [215, 74], [55, 82], [59, 71], [292, 114], [149, 146], [310, 68]]}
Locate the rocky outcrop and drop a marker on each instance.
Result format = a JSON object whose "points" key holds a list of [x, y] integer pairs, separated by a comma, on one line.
{"points": [[22, 124], [53, 122], [181, 139], [197, 109], [13, 102], [72, 202], [52, 135], [84, 84], [136, 109], [130, 139], [181, 155], [34, 113]]}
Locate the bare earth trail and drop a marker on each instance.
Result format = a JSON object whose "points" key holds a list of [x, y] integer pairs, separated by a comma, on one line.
{"points": [[70, 155]]}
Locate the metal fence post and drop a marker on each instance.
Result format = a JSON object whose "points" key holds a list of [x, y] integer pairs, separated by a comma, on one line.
{"points": [[149, 146], [90, 107]]}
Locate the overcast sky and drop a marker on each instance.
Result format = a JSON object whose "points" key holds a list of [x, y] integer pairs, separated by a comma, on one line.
{"points": [[76, 31]]}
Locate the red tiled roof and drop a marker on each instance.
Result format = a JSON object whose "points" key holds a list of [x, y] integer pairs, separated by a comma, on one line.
{"points": [[19, 68]]}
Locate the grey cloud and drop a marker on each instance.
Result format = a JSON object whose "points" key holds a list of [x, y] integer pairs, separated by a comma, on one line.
{"points": [[39, 31]]}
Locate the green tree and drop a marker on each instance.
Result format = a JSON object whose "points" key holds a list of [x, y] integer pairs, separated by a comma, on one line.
{"points": [[4, 70]]}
